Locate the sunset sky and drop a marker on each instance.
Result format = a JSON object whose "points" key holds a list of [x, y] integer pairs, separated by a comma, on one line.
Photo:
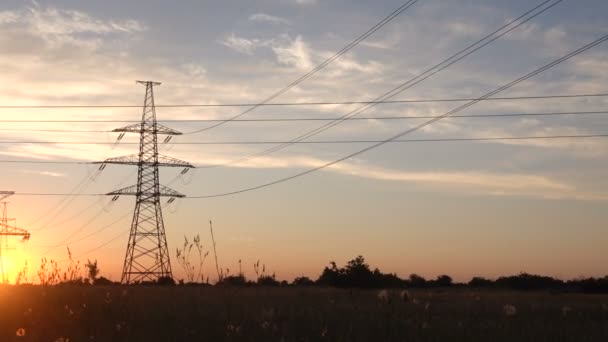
{"points": [[484, 208]]}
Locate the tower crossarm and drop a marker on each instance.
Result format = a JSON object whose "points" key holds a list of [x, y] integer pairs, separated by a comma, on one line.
{"points": [[132, 190], [6, 230], [157, 128], [5, 194], [134, 159]]}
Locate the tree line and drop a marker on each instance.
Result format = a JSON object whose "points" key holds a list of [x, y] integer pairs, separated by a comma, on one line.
{"points": [[358, 274]]}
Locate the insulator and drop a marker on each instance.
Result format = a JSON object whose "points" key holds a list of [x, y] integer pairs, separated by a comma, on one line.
{"points": [[167, 139], [184, 171], [171, 200], [120, 136], [101, 167], [115, 198]]}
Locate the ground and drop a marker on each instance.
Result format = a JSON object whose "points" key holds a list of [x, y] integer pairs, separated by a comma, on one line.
{"points": [[183, 313]]}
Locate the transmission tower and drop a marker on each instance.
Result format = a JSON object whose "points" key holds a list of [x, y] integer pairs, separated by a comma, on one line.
{"points": [[7, 230], [147, 256]]}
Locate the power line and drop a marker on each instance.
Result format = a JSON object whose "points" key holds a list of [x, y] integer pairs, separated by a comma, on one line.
{"points": [[305, 142], [359, 118], [488, 39], [416, 128], [319, 67], [545, 137], [67, 241], [281, 104], [105, 243]]}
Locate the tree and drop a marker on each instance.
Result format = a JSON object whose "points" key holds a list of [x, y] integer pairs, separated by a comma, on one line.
{"points": [[92, 270], [443, 281], [480, 282], [268, 281], [417, 281], [302, 281]]}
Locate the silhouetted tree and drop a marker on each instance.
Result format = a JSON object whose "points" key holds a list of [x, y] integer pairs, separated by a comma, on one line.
{"points": [[330, 276], [102, 281], [302, 281], [443, 281], [268, 281], [357, 273], [527, 281], [417, 281], [234, 280], [165, 281], [480, 282], [589, 285]]}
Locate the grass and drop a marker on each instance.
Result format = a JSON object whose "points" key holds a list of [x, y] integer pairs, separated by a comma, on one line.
{"points": [[185, 313]]}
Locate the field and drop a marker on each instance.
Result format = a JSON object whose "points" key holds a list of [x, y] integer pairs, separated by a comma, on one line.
{"points": [[182, 313]]}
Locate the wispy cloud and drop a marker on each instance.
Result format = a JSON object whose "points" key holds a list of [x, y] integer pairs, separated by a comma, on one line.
{"points": [[58, 26], [45, 173], [240, 44], [295, 53], [263, 17]]}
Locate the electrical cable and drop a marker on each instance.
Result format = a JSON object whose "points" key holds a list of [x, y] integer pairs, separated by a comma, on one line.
{"points": [[276, 104], [550, 137], [429, 122], [488, 39], [319, 67], [317, 119]]}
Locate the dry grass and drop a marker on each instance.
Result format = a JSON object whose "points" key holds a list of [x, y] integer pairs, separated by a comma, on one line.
{"points": [[88, 313]]}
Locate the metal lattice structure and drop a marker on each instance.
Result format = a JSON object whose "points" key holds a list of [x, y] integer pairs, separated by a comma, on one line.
{"points": [[147, 256], [7, 230]]}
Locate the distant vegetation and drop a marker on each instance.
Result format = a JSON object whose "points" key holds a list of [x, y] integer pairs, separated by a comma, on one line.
{"points": [[355, 274]]}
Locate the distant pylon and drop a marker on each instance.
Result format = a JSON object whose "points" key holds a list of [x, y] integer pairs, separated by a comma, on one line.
{"points": [[147, 256], [6, 230]]}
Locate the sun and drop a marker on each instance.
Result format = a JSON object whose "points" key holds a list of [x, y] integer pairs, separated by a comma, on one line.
{"points": [[11, 264]]}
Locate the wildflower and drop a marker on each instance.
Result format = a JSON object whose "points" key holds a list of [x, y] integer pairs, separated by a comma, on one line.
{"points": [[20, 332], [427, 306], [108, 298], [265, 325], [383, 295], [324, 332], [565, 310], [233, 328], [509, 310], [118, 326], [415, 301]]}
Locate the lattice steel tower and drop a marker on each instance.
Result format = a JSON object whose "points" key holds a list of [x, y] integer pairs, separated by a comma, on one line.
{"points": [[7, 230], [147, 256]]}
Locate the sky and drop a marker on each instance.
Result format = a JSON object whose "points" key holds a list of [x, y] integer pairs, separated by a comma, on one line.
{"points": [[476, 208]]}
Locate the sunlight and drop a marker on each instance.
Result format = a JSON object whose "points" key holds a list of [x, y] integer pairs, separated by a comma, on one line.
{"points": [[12, 262]]}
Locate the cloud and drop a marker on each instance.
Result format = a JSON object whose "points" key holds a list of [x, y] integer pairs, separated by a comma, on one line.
{"points": [[466, 182], [306, 2], [8, 17], [295, 53], [58, 27], [263, 17], [46, 173], [463, 28], [240, 44]]}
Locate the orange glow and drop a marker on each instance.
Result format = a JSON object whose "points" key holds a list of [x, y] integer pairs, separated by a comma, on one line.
{"points": [[13, 262]]}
